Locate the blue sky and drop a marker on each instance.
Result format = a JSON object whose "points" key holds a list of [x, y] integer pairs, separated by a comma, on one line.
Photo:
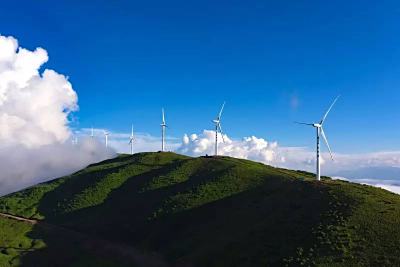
{"points": [[127, 59]]}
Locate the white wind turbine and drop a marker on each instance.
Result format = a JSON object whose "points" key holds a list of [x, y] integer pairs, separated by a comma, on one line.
{"points": [[163, 126], [218, 128], [92, 133], [106, 134], [320, 132], [131, 139]]}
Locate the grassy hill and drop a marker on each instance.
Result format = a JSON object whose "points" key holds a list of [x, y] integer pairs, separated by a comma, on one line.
{"points": [[164, 209]]}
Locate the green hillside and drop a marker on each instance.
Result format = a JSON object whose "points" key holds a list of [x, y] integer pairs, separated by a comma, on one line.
{"points": [[164, 209]]}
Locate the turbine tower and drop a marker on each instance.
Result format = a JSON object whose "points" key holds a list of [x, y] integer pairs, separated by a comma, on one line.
{"points": [[106, 137], [320, 132], [218, 128], [131, 139], [163, 126]]}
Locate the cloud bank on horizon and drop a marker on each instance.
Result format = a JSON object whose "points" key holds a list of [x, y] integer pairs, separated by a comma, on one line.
{"points": [[34, 110]]}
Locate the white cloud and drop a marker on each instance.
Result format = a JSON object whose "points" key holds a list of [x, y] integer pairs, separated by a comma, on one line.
{"points": [[34, 110], [34, 107], [248, 148], [22, 167]]}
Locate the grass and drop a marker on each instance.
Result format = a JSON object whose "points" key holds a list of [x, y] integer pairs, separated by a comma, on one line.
{"points": [[208, 212], [14, 241]]}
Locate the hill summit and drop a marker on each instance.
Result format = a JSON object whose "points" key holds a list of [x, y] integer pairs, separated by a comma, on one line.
{"points": [[165, 209]]}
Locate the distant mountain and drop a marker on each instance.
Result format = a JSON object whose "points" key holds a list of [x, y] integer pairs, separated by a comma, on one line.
{"points": [[379, 173], [165, 209]]}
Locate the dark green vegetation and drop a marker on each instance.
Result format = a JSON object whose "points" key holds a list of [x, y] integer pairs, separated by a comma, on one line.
{"points": [[200, 212]]}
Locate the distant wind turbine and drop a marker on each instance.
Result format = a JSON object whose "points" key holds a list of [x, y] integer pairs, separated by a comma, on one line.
{"points": [[218, 128], [106, 137], [92, 133], [320, 132], [163, 126], [131, 139]]}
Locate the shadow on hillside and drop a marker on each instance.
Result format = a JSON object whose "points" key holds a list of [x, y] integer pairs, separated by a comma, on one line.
{"points": [[66, 247], [72, 186], [128, 206], [257, 227]]}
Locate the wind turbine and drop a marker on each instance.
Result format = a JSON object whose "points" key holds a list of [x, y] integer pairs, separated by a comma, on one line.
{"points": [[218, 128], [131, 139], [92, 133], [106, 137], [320, 132], [163, 126]]}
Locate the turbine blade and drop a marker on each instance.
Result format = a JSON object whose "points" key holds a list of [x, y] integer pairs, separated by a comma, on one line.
{"points": [[163, 116], [222, 134], [220, 112], [326, 114], [326, 142], [304, 123]]}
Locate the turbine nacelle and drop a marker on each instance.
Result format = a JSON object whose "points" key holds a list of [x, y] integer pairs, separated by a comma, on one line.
{"points": [[317, 125]]}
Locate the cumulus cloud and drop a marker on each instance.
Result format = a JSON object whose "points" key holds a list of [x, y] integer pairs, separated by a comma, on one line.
{"points": [[34, 110], [248, 148], [34, 107]]}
